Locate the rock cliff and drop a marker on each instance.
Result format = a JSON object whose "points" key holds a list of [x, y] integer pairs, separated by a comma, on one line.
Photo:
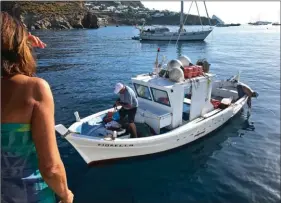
{"points": [[51, 15], [75, 14]]}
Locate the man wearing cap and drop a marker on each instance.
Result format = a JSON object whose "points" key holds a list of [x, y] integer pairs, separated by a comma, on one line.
{"points": [[128, 101], [244, 89]]}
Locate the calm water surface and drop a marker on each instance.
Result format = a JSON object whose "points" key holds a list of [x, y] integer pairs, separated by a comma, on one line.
{"points": [[238, 163]]}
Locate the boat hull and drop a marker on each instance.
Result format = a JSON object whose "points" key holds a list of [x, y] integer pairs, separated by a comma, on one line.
{"points": [[96, 150], [174, 36]]}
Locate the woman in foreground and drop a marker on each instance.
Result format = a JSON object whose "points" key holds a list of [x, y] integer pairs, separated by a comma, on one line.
{"points": [[31, 167]]}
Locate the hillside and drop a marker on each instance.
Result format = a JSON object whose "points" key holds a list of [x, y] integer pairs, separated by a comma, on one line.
{"points": [[51, 15], [175, 20], [43, 8], [91, 14]]}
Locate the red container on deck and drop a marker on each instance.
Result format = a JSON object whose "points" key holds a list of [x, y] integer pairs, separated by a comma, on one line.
{"points": [[188, 72], [200, 68], [195, 71]]}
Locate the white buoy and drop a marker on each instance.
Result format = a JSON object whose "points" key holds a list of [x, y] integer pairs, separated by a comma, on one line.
{"points": [[76, 114], [114, 134]]}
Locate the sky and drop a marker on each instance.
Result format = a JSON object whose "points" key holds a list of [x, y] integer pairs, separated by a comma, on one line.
{"points": [[228, 11]]}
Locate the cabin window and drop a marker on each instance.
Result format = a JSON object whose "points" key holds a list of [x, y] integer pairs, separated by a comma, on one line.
{"points": [[160, 96], [142, 91]]}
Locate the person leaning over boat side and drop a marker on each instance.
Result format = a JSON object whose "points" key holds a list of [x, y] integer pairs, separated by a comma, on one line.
{"points": [[244, 89], [128, 101], [31, 166]]}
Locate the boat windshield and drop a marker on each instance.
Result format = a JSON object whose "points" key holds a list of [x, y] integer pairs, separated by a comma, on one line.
{"points": [[164, 29], [157, 30], [160, 96], [142, 91]]}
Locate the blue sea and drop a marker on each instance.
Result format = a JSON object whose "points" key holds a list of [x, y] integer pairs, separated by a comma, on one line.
{"points": [[238, 163]]}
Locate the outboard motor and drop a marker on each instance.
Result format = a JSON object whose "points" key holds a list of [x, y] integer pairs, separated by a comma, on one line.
{"points": [[205, 64]]}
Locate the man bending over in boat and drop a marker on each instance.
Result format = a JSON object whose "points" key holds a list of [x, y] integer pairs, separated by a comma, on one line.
{"points": [[128, 101], [244, 89]]}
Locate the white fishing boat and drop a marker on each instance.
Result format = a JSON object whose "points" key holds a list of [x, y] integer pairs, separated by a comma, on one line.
{"points": [[164, 33], [176, 109]]}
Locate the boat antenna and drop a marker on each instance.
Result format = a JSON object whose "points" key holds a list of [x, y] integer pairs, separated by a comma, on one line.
{"points": [[181, 18], [156, 61]]}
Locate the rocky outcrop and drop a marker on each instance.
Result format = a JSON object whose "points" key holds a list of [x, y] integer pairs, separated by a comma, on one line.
{"points": [[90, 20], [76, 20], [68, 15], [219, 21], [55, 22], [52, 15]]}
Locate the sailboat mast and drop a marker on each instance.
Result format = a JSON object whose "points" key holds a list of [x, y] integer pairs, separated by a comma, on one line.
{"points": [[207, 13], [181, 17]]}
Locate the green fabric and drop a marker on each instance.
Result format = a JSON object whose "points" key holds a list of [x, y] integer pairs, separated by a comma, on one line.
{"points": [[21, 180]]}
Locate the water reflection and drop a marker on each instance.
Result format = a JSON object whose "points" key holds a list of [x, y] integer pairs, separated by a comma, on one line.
{"points": [[180, 48]]}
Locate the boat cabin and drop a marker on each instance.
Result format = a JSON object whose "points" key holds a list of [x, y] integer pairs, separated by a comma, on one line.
{"points": [[157, 30], [165, 105]]}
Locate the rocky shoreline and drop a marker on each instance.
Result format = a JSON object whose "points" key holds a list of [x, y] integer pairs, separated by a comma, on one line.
{"points": [[71, 15], [52, 15]]}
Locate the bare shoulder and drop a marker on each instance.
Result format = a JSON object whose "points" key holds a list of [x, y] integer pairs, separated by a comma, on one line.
{"points": [[41, 88], [40, 83]]}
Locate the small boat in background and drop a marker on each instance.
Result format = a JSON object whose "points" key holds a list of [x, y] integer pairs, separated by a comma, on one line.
{"points": [[260, 23], [136, 38], [228, 25], [164, 33]]}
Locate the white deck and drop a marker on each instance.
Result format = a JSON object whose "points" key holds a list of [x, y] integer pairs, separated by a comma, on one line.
{"points": [[154, 80]]}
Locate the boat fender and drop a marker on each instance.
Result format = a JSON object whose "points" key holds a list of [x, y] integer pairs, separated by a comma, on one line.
{"points": [[114, 134], [76, 114], [63, 131]]}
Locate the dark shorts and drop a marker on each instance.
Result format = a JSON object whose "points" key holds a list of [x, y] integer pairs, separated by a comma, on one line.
{"points": [[240, 91], [130, 112]]}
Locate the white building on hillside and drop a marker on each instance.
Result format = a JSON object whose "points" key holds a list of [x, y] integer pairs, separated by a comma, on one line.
{"points": [[111, 8], [96, 7], [156, 15], [122, 7]]}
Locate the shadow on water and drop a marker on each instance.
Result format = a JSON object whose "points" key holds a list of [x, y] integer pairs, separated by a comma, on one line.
{"points": [[180, 48], [134, 174], [173, 43], [55, 68]]}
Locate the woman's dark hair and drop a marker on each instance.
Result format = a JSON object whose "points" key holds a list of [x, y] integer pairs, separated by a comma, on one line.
{"points": [[16, 52]]}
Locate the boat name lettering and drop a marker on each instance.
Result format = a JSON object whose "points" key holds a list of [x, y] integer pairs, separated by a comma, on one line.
{"points": [[199, 133], [115, 145]]}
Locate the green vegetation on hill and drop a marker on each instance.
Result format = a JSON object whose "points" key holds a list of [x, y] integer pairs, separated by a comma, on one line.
{"points": [[44, 7]]}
